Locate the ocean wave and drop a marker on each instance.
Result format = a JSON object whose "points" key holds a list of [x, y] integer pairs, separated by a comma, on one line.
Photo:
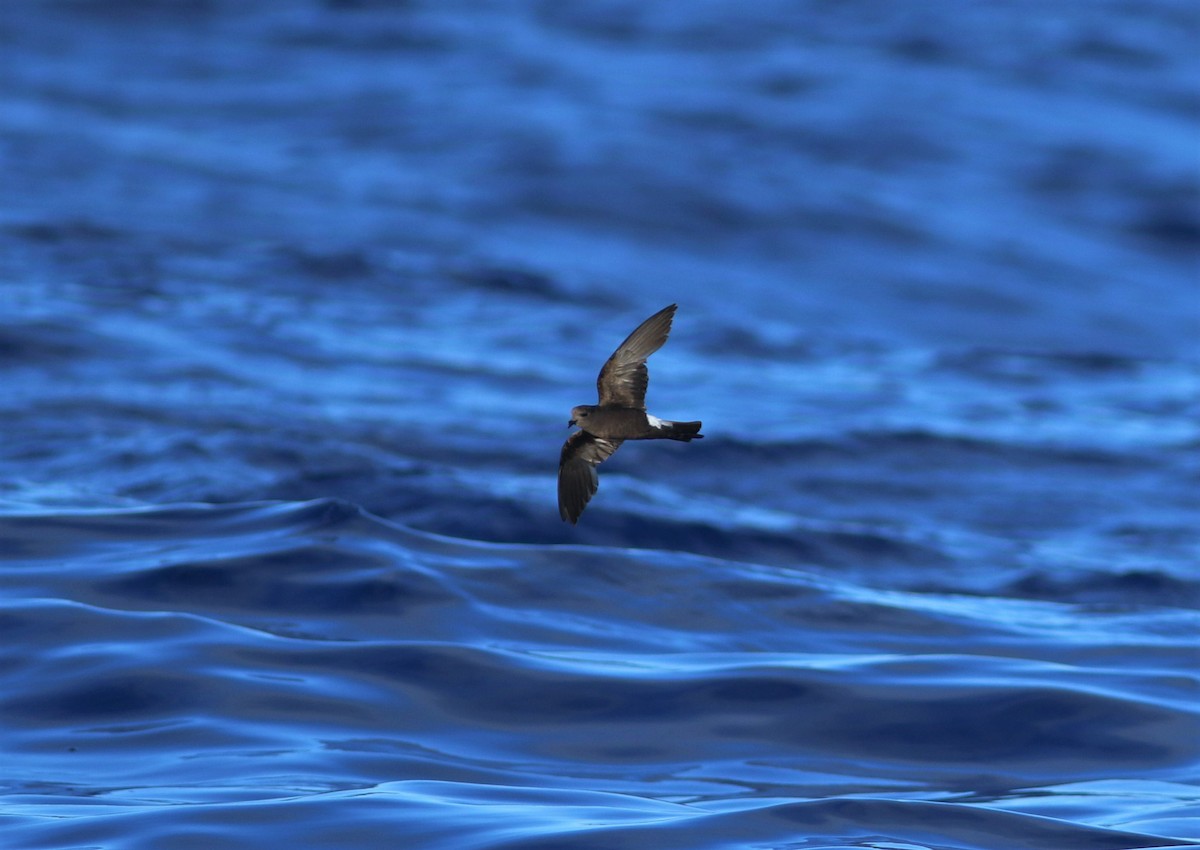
{"points": [[309, 659]]}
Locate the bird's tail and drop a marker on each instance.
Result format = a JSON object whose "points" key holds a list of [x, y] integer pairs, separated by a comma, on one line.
{"points": [[685, 431]]}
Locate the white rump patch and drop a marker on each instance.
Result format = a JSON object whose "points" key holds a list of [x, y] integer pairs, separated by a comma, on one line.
{"points": [[655, 422]]}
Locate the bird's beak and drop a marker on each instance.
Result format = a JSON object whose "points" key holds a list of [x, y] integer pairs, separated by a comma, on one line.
{"points": [[571, 423]]}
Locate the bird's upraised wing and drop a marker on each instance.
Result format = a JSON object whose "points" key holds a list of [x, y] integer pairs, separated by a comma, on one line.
{"points": [[623, 379], [577, 478]]}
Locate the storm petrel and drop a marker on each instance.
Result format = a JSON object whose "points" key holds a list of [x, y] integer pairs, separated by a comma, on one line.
{"points": [[621, 415]]}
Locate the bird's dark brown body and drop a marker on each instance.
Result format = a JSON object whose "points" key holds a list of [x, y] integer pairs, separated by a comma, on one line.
{"points": [[630, 423]]}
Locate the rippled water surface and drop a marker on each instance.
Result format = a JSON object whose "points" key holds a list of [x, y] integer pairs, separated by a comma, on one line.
{"points": [[296, 297]]}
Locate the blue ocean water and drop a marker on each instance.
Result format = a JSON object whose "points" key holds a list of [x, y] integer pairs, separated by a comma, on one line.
{"points": [[296, 297]]}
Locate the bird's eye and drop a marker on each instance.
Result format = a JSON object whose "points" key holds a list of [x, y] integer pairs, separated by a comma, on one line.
{"points": [[583, 415]]}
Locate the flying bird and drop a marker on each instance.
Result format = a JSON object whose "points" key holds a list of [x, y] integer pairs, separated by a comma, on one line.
{"points": [[621, 415]]}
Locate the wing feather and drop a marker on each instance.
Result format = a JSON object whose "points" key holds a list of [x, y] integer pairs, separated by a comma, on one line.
{"points": [[577, 478], [624, 378]]}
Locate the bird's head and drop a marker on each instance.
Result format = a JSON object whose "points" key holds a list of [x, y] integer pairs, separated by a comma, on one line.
{"points": [[580, 414]]}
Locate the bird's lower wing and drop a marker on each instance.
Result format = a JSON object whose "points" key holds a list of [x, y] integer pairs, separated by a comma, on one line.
{"points": [[577, 478]]}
